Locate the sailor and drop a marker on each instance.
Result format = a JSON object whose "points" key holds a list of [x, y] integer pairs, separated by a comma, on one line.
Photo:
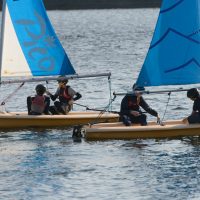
{"points": [[39, 104], [130, 111], [193, 94], [66, 96]]}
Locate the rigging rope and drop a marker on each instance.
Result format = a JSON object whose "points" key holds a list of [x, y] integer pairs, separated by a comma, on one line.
{"points": [[77, 129], [78, 104], [169, 96], [110, 100], [10, 95], [104, 110], [94, 109], [47, 82], [108, 107]]}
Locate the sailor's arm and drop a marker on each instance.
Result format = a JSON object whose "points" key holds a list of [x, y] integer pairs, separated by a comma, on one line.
{"points": [[77, 96], [147, 108], [124, 110], [53, 97]]}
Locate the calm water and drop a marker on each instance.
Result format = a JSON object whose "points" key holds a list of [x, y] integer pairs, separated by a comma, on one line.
{"points": [[48, 164]]}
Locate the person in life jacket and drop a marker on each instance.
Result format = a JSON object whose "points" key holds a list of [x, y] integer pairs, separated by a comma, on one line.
{"points": [[130, 111], [193, 94], [66, 96], [39, 104]]}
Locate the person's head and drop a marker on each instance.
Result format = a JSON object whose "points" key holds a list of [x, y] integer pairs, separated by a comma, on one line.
{"points": [[192, 93], [62, 81], [137, 90], [40, 89]]}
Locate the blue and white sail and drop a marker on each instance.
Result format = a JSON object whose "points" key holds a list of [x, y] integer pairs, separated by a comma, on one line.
{"points": [[29, 45], [174, 54]]}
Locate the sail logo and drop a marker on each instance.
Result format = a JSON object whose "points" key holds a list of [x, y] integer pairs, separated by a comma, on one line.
{"points": [[38, 42]]}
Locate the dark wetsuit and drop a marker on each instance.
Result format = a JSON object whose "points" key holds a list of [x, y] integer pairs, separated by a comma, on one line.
{"points": [[195, 117], [133, 103]]}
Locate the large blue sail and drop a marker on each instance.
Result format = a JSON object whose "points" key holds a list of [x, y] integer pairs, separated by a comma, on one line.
{"points": [[174, 54], [42, 49]]}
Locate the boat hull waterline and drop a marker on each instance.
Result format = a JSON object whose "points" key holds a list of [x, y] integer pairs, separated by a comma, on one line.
{"points": [[22, 120], [107, 131]]}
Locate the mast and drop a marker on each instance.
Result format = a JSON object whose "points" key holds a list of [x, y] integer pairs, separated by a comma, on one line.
{"points": [[2, 34]]}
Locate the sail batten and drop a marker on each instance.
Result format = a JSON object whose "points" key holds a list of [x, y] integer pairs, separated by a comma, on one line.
{"points": [[30, 46], [173, 57]]}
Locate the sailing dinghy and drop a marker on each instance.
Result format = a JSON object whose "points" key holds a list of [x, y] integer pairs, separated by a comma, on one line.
{"points": [[173, 59], [30, 51]]}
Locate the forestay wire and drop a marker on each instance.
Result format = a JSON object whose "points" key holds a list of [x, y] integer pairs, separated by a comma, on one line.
{"points": [[108, 107], [169, 96], [103, 111], [77, 129], [110, 89], [10, 95]]}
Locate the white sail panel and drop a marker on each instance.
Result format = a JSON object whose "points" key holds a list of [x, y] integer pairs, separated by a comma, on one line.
{"points": [[13, 60]]}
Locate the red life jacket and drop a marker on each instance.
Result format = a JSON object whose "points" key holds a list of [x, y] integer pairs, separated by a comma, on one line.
{"points": [[133, 105], [38, 104], [64, 93]]}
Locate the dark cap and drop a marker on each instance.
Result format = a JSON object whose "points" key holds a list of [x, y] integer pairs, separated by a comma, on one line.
{"points": [[192, 93], [62, 79], [137, 88]]}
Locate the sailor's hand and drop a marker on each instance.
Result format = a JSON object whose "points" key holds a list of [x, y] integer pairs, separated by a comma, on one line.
{"points": [[48, 93], [135, 113], [71, 102], [185, 120], [158, 119]]}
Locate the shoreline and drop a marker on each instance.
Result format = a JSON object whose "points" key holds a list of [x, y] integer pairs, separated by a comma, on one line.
{"points": [[99, 4]]}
